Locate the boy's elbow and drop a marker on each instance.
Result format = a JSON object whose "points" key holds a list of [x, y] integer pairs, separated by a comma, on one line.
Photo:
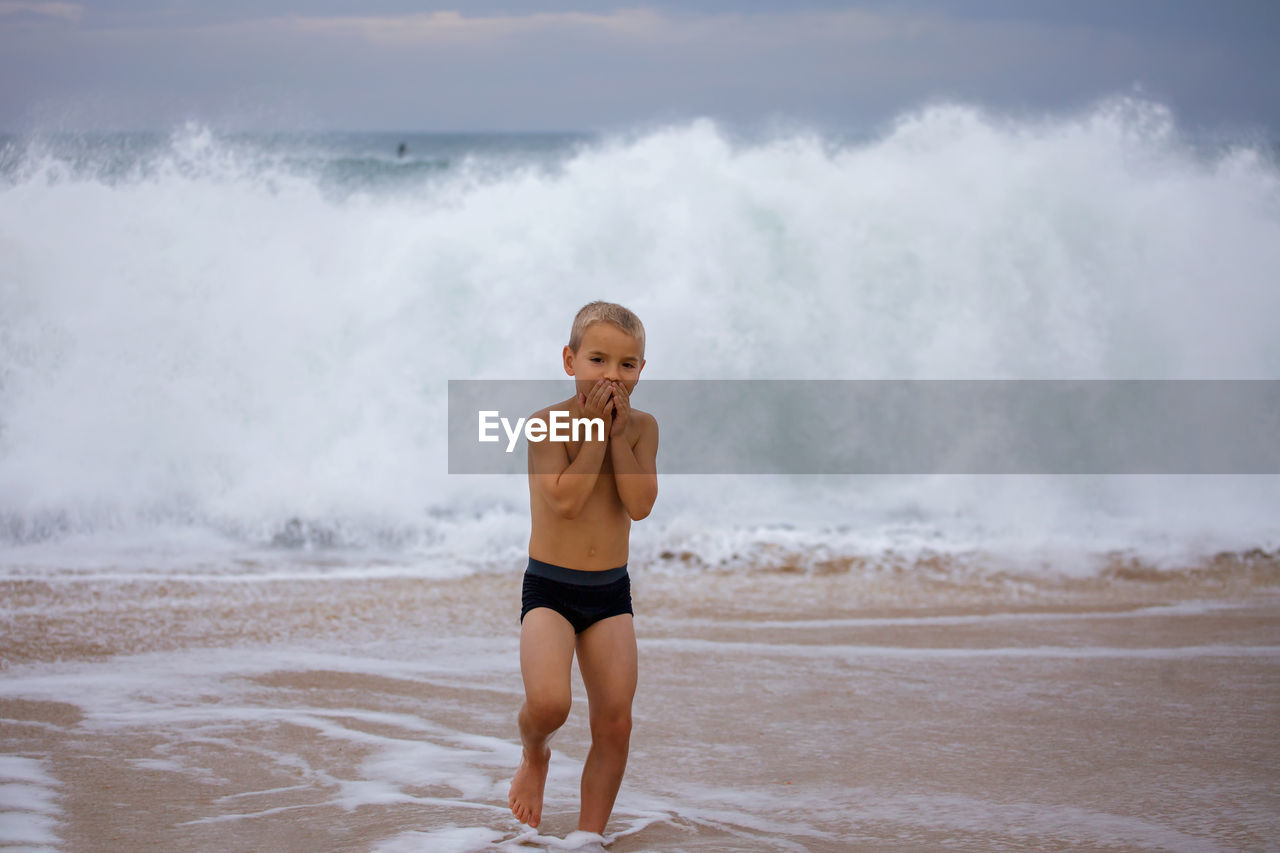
{"points": [[567, 509], [641, 510], [562, 502]]}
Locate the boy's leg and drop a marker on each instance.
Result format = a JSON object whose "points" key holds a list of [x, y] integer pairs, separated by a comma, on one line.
{"points": [[546, 656], [607, 659]]}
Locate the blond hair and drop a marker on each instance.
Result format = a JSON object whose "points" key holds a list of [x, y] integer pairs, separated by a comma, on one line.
{"points": [[605, 312]]}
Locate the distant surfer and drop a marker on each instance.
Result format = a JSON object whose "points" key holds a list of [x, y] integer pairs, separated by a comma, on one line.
{"points": [[402, 150]]}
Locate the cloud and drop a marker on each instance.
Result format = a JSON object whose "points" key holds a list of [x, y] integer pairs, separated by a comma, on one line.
{"points": [[533, 68], [645, 24], [456, 28], [71, 12]]}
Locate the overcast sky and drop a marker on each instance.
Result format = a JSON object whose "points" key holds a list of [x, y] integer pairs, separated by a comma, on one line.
{"points": [[545, 65]]}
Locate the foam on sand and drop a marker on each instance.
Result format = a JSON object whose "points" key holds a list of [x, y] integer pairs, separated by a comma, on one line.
{"points": [[29, 804]]}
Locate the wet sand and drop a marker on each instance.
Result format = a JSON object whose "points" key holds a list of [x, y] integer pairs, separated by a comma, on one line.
{"points": [[775, 711]]}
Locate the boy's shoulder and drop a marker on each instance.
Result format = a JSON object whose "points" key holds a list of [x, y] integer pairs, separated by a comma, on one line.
{"points": [[644, 419], [643, 430], [545, 412]]}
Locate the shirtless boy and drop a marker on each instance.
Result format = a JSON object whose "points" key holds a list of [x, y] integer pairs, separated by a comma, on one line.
{"points": [[583, 497]]}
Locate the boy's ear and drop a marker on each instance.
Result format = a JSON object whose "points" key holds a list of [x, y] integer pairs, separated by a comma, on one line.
{"points": [[640, 369], [567, 355]]}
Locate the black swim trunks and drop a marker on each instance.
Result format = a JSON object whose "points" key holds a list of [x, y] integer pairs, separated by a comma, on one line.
{"points": [[584, 598]]}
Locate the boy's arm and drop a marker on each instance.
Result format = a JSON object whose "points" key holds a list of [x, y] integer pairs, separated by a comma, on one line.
{"points": [[566, 485], [635, 469]]}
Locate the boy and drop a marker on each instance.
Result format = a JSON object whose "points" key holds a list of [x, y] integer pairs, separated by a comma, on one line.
{"points": [[583, 497]]}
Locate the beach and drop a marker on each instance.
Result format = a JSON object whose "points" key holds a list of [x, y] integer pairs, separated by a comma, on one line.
{"points": [[246, 603], [777, 710]]}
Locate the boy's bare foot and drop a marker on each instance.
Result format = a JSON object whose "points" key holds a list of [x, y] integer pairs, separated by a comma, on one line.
{"points": [[525, 795]]}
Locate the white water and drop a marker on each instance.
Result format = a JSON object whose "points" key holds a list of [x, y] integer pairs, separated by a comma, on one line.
{"points": [[220, 344]]}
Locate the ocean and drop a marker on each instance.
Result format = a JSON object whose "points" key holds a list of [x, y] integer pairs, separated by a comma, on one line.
{"points": [[240, 588]]}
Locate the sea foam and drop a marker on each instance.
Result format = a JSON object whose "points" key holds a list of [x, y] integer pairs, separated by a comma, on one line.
{"points": [[208, 335]]}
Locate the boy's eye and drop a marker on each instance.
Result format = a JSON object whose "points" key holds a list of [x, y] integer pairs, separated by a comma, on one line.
{"points": [[596, 359]]}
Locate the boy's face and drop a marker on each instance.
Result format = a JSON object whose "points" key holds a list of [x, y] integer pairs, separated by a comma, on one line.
{"points": [[606, 352]]}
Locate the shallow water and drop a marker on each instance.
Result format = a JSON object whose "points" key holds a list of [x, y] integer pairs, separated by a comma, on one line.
{"points": [[775, 711]]}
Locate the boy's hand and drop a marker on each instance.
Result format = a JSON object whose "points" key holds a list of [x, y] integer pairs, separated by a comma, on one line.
{"points": [[621, 410], [596, 404]]}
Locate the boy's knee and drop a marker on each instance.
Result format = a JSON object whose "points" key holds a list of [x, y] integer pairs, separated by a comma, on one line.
{"points": [[612, 726], [548, 713]]}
